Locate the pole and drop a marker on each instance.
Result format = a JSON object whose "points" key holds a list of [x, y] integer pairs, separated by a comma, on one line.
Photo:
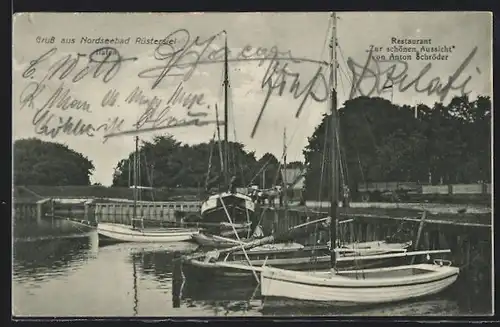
{"points": [[264, 179], [134, 212], [334, 179], [226, 118], [285, 182], [129, 172]]}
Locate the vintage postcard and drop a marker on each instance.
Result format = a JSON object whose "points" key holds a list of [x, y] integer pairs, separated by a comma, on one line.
{"points": [[252, 164]]}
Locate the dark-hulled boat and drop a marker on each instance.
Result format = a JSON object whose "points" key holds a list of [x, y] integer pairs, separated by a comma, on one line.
{"points": [[240, 208], [291, 256], [236, 205]]}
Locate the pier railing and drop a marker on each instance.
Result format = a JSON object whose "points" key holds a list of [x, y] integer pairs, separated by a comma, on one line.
{"points": [[153, 211]]}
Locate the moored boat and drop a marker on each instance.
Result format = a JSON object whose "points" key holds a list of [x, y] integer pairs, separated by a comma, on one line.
{"points": [[110, 232], [239, 206], [214, 241], [223, 240], [116, 233], [292, 256], [355, 287]]}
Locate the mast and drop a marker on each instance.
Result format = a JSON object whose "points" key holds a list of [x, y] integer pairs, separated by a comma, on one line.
{"points": [[334, 179], [221, 150], [134, 214], [226, 130], [285, 185]]}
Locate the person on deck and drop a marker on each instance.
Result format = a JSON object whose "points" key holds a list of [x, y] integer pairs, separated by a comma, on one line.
{"points": [[258, 232], [232, 185]]}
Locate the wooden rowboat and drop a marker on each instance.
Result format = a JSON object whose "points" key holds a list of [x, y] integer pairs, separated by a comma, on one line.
{"points": [[110, 232], [214, 241], [292, 256], [359, 287]]}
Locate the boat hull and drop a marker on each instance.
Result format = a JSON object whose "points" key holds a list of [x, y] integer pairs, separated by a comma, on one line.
{"points": [[109, 233], [421, 280], [239, 207], [242, 269], [282, 256], [211, 241]]}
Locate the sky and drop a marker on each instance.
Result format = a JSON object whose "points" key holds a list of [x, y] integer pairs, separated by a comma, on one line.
{"points": [[299, 35]]}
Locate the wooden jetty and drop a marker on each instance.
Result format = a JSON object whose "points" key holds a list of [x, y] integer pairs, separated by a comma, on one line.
{"points": [[93, 211], [29, 209]]}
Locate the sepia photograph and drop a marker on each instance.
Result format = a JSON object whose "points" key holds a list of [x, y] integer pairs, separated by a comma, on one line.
{"points": [[218, 164]]}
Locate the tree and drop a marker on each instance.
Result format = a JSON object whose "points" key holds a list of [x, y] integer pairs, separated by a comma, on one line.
{"points": [[295, 165], [269, 171], [382, 142], [47, 163], [166, 162]]}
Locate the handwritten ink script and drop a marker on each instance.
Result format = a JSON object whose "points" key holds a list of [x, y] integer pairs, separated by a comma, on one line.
{"points": [[68, 69], [76, 68], [184, 60], [157, 114], [178, 59], [275, 79], [395, 74], [55, 109]]}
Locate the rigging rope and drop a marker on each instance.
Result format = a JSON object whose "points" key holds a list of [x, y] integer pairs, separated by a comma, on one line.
{"points": [[211, 149], [308, 112]]}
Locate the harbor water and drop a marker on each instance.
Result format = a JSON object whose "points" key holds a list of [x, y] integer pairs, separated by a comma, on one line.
{"points": [[60, 270]]}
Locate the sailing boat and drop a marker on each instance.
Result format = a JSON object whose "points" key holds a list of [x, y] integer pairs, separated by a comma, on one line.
{"points": [[239, 206], [114, 232], [370, 286]]}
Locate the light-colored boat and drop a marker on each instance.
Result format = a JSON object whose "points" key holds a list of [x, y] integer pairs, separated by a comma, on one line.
{"points": [[372, 248], [221, 241], [355, 287], [125, 233], [360, 286], [114, 232]]}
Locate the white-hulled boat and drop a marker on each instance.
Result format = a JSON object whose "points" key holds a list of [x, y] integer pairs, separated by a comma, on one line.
{"points": [[126, 233], [360, 286], [355, 287], [115, 232]]}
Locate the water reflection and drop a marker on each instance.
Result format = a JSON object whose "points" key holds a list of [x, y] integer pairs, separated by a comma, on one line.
{"points": [[234, 297], [32, 230], [63, 274], [40, 259], [226, 296], [222, 296], [429, 307]]}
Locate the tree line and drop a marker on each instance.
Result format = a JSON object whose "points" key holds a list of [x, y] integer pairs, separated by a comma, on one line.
{"points": [[48, 163], [378, 141], [166, 162], [382, 142]]}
